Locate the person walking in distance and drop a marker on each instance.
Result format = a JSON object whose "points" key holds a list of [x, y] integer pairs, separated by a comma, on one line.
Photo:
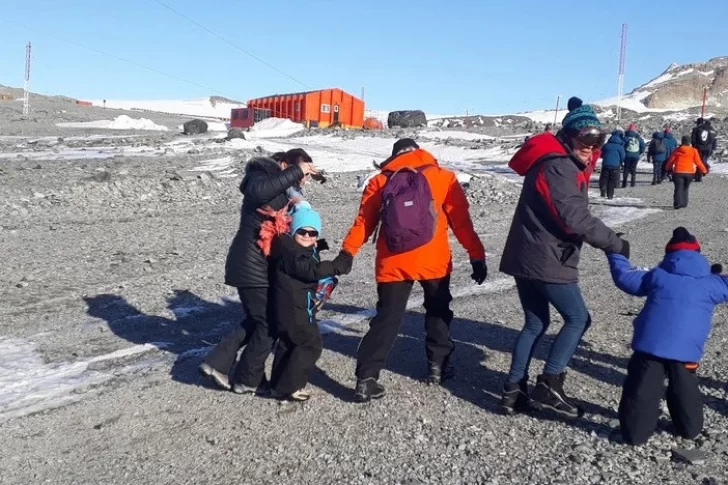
{"points": [[613, 157], [657, 155], [550, 224], [266, 184], [635, 146], [682, 165], [704, 139], [413, 201], [671, 145]]}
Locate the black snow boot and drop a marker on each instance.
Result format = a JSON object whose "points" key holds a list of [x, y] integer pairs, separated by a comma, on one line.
{"points": [[368, 389], [515, 398], [549, 394], [438, 374]]}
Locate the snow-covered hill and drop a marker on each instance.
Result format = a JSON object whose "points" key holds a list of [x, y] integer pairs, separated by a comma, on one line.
{"points": [[212, 107]]}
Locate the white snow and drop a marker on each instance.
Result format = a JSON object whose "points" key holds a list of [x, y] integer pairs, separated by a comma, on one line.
{"points": [[659, 80], [459, 135], [616, 216], [28, 384], [545, 116], [121, 122], [200, 108], [275, 128]]}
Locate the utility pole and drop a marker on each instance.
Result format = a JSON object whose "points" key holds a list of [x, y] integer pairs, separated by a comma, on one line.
{"points": [[620, 82], [556, 115], [705, 101], [26, 89]]}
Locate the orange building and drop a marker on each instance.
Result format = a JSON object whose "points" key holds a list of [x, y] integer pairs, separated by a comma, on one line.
{"points": [[328, 107]]}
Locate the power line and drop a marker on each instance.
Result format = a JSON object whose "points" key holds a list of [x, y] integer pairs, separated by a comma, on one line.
{"points": [[113, 56], [229, 42]]}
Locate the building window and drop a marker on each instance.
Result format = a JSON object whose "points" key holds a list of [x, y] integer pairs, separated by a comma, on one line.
{"points": [[297, 107], [326, 108], [336, 108]]}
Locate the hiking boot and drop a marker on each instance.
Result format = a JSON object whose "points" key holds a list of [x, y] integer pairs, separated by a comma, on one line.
{"points": [[263, 388], [438, 374], [549, 394], [299, 396], [515, 397], [217, 377], [368, 389]]}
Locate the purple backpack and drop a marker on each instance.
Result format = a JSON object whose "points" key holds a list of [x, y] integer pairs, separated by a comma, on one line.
{"points": [[408, 218]]}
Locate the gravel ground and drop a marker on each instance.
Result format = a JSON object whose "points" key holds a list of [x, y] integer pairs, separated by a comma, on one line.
{"points": [[103, 255]]}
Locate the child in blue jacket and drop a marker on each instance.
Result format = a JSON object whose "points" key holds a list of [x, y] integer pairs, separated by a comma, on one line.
{"points": [[669, 336]]}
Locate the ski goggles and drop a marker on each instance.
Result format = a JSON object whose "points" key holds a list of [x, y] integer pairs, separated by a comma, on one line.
{"points": [[306, 232], [590, 137]]}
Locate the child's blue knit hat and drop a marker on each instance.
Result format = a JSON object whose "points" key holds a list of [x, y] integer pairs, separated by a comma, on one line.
{"points": [[305, 217]]}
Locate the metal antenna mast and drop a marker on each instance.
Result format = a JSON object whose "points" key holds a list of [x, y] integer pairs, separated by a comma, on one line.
{"points": [[620, 85], [26, 91]]}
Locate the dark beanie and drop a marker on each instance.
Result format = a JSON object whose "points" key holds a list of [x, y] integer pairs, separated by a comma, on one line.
{"points": [[682, 239], [686, 140], [403, 144], [580, 118], [574, 103]]}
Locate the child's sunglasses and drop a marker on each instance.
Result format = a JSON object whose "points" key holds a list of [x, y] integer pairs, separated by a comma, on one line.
{"points": [[591, 137], [306, 232]]}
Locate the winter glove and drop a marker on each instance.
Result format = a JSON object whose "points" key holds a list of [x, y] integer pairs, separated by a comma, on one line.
{"points": [[717, 268], [322, 245], [343, 263], [480, 271]]}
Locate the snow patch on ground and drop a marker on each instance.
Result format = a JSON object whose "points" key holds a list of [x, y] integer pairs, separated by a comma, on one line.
{"points": [[459, 135], [193, 108], [121, 122], [275, 128], [28, 384]]}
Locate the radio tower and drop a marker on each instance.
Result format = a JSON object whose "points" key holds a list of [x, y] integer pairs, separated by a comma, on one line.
{"points": [[26, 92], [620, 84]]}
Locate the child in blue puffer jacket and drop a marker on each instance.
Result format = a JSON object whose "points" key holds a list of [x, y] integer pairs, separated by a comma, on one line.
{"points": [[669, 336]]}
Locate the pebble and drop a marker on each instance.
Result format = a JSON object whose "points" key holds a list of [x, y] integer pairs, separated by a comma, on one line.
{"points": [[694, 457]]}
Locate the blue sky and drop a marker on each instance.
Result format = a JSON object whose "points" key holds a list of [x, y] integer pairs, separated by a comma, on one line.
{"points": [[444, 57]]}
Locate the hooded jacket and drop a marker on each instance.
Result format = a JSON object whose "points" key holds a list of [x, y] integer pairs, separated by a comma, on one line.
{"points": [[552, 218], [633, 134], [708, 145], [672, 143], [685, 160], [434, 259], [613, 154], [681, 295], [653, 152], [264, 186]]}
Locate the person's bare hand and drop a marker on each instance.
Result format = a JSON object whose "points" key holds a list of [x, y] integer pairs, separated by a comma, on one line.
{"points": [[309, 169]]}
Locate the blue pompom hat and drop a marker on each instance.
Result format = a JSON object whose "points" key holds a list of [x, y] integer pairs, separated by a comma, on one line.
{"points": [[580, 118]]}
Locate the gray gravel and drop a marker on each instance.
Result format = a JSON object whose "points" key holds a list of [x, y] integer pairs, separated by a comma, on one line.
{"points": [[102, 255]]}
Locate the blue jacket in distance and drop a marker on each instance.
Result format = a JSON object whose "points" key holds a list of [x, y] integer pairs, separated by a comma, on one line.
{"points": [[658, 157], [634, 134], [613, 154], [672, 143], [681, 295]]}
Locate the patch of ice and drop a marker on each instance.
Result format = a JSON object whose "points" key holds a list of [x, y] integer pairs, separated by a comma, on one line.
{"points": [[28, 384], [121, 122]]}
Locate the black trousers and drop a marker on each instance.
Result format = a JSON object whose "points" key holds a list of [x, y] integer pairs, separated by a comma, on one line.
{"points": [[630, 169], [608, 181], [682, 186], [704, 156], [253, 333], [639, 408], [384, 327], [299, 347]]}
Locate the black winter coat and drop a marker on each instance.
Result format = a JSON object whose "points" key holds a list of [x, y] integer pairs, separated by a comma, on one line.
{"points": [[264, 184], [295, 273]]}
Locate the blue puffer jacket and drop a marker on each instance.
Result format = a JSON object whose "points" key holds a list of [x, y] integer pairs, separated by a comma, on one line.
{"points": [[613, 153], [681, 296], [633, 134], [657, 137], [672, 143]]}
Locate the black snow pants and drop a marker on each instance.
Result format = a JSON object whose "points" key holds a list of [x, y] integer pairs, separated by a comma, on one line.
{"points": [[253, 333], [299, 347], [384, 327], [704, 157], [639, 408], [630, 169], [682, 186], [608, 181]]}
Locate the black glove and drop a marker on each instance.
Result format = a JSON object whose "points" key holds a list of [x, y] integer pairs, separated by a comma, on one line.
{"points": [[322, 245], [480, 271], [625, 248], [717, 268], [343, 263]]}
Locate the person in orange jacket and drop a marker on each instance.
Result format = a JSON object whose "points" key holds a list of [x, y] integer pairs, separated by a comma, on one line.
{"points": [[682, 164], [413, 201]]}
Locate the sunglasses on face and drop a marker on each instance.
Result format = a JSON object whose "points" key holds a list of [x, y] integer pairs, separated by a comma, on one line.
{"points": [[307, 233], [591, 138]]}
